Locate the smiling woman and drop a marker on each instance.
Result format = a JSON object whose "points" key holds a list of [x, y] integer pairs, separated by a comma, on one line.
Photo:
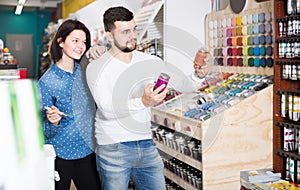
{"points": [[68, 108]]}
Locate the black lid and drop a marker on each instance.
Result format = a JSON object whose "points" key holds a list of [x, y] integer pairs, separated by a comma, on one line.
{"points": [[165, 76]]}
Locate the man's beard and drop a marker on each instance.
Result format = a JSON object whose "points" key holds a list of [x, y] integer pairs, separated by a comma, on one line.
{"points": [[124, 49], [127, 50]]}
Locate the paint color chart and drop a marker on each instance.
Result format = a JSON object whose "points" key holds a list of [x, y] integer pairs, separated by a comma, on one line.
{"points": [[244, 39]]}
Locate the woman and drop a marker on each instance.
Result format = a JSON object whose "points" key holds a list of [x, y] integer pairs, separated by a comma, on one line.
{"points": [[68, 108]]}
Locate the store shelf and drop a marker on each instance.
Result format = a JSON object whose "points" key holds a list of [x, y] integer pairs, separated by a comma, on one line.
{"points": [[284, 61], [288, 92], [283, 86], [177, 122], [288, 124], [178, 180], [288, 38], [9, 74], [9, 77], [293, 155], [10, 66], [192, 162]]}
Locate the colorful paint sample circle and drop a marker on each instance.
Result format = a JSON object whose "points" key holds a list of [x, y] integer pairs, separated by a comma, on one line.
{"points": [[244, 30], [240, 51], [239, 21], [256, 40], [229, 51], [225, 61], [224, 22], [269, 62], [234, 61], [224, 52], [268, 28], [269, 39], [269, 50], [245, 51], [249, 19], [229, 62], [245, 40], [256, 62], [255, 29], [234, 52], [244, 20], [262, 50], [234, 41], [262, 62], [256, 51], [250, 40], [245, 61], [262, 39], [220, 42], [228, 22], [251, 62], [228, 32], [239, 41], [229, 41], [255, 18], [268, 16], [215, 24], [250, 30], [233, 21], [219, 24], [261, 28], [239, 31], [233, 31], [250, 51], [215, 52], [240, 62], [211, 24], [261, 17], [211, 33], [224, 42]]}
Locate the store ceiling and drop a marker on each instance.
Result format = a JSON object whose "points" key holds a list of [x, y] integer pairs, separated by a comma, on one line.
{"points": [[42, 4]]}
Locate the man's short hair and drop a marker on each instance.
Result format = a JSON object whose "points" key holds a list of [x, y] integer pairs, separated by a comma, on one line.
{"points": [[114, 14]]}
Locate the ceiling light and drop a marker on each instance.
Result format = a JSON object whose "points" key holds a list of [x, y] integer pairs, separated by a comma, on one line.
{"points": [[22, 2], [18, 9]]}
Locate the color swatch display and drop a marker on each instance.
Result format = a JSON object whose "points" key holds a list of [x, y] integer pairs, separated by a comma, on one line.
{"points": [[242, 40]]}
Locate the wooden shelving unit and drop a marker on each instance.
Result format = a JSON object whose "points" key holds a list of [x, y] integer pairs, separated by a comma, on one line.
{"points": [[282, 86]]}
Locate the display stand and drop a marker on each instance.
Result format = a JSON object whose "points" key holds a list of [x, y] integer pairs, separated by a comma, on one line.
{"points": [[238, 139], [241, 137], [242, 43]]}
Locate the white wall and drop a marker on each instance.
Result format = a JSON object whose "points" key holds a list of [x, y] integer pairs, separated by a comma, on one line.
{"points": [[184, 31], [184, 26], [92, 14], [223, 4]]}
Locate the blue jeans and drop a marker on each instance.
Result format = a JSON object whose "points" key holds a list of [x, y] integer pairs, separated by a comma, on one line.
{"points": [[138, 160]]}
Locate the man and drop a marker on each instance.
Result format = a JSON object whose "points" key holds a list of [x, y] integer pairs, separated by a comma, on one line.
{"points": [[124, 95]]}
